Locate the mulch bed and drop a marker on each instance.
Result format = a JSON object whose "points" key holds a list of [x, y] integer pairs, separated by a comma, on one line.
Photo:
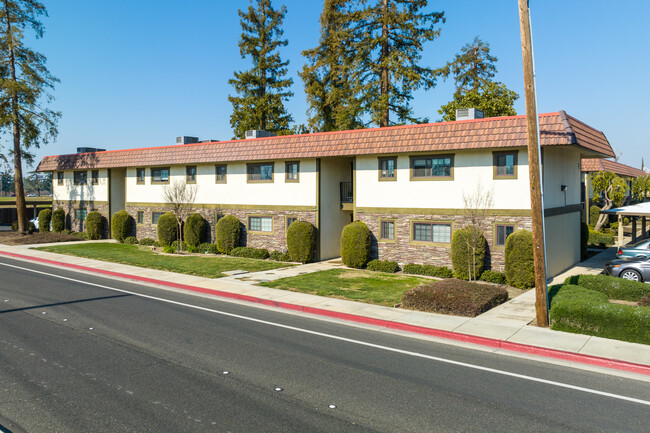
{"points": [[12, 238]]}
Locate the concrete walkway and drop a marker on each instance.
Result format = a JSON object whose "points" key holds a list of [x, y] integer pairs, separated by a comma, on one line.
{"points": [[505, 327]]}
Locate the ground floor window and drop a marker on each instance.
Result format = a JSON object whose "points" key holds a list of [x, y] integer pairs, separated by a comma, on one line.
{"points": [[260, 223], [387, 230], [502, 233], [155, 216], [140, 217], [80, 214], [291, 219], [432, 232]]}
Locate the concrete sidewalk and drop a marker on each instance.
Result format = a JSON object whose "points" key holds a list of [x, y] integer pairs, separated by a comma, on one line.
{"points": [[505, 327]]}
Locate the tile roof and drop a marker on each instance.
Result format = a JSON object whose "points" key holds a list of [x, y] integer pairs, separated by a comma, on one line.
{"points": [[556, 129], [596, 164]]}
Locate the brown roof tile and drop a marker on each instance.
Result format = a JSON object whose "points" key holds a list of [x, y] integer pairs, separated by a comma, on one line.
{"points": [[556, 129], [595, 164]]}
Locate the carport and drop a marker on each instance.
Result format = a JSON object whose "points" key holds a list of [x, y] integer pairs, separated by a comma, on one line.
{"points": [[635, 212]]}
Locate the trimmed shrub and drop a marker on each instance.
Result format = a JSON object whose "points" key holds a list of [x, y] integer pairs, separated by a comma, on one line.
{"points": [[582, 311], [58, 220], [227, 233], [612, 287], [594, 214], [44, 220], [207, 248], [31, 228], [14, 226], [584, 240], [194, 229], [121, 225], [600, 239], [428, 270], [452, 296], [494, 277], [131, 240], [148, 242], [168, 249], [520, 270], [382, 266], [250, 252], [279, 256], [301, 241], [468, 247], [167, 228], [355, 244], [94, 225]]}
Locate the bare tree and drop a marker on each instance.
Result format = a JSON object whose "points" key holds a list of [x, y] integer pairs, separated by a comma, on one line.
{"points": [[180, 197], [477, 207]]}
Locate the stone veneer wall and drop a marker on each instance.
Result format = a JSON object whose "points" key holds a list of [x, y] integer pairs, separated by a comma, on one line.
{"points": [[403, 251], [275, 240], [71, 223]]}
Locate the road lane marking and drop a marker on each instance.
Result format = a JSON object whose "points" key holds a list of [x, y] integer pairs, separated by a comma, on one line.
{"points": [[347, 340]]}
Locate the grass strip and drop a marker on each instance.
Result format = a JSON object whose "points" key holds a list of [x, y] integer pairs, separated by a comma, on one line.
{"points": [[356, 285], [202, 266]]}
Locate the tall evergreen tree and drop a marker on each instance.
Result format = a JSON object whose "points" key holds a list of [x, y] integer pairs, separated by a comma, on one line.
{"points": [[24, 82], [263, 89], [473, 66]]}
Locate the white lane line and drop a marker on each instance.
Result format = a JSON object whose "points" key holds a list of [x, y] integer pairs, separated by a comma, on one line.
{"points": [[350, 340]]}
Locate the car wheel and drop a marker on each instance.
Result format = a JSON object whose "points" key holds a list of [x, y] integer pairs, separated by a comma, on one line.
{"points": [[630, 274]]}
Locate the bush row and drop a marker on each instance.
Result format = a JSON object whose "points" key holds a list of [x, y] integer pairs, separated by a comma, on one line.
{"points": [[600, 238], [382, 266], [428, 270], [612, 287]]}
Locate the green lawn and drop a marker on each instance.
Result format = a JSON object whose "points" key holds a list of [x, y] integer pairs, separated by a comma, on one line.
{"points": [[364, 286], [203, 266]]}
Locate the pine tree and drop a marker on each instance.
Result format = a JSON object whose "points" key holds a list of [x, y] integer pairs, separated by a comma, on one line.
{"points": [[263, 89], [24, 82], [472, 68]]}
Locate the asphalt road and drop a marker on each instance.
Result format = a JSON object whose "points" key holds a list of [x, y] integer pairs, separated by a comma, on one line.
{"points": [[107, 357]]}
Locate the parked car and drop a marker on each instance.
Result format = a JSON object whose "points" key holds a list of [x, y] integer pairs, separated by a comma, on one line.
{"points": [[630, 268], [35, 222], [31, 195], [638, 249]]}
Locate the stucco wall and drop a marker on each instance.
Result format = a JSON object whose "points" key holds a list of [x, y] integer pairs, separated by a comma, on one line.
{"points": [[471, 168], [333, 171], [70, 192]]}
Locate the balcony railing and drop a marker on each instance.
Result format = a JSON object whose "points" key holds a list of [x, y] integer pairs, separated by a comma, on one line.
{"points": [[346, 192]]}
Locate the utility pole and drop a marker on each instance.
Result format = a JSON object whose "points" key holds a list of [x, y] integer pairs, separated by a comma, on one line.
{"points": [[537, 211]]}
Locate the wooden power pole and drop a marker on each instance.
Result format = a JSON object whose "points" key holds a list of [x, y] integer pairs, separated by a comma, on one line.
{"points": [[541, 304]]}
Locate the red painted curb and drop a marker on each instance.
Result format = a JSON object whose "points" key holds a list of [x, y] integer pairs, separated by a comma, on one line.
{"points": [[439, 333]]}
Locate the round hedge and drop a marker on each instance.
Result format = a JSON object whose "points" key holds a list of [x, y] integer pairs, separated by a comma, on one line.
{"points": [[94, 222], [355, 245], [121, 225], [468, 246], [167, 229], [58, 220], [520, 270], [301, 241], [194, 229], [594, 214], [227, 233], [44, 220]]}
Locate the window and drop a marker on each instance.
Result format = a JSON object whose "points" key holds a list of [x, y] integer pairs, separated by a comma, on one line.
{"points": [[59, 178], [155, 216], [291, 219], [80, 214], [94, 177], [220, 172], [262, 172], [160, 175], [190, 174], [140, 217], [260, 223], [139, 176], [432, 167], [291, 170], [387, 230], [387, 168], [505, 165], [80, 177], [432, 232], [502, 233]]}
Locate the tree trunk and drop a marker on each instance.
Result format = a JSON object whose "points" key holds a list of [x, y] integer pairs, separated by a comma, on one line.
{"points": [[384, 68]]}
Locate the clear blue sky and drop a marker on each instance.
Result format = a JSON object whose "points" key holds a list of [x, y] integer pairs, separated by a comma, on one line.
{"points": [[138, 73]]}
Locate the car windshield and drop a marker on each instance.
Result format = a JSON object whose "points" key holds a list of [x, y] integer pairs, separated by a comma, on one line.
{"points": [[645, 243]]}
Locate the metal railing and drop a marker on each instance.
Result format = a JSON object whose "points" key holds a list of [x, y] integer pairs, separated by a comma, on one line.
{"points": [[346, 192]]}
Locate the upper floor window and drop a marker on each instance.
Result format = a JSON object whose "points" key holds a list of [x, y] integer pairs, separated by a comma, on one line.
{"points": [[291, 170], [139, 176], [220, 172], [80, 177], [94, 177], [160, 175], [59, 178], [260, 172], [387, 167], [190, 174], [505, 165], [432, 167]]}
